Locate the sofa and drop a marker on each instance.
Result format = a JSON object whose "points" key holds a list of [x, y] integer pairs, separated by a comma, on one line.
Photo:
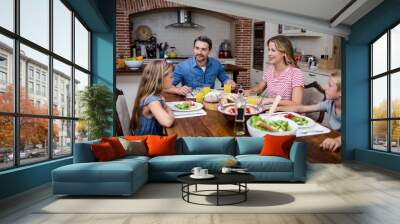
{"points": [[126, 175]]}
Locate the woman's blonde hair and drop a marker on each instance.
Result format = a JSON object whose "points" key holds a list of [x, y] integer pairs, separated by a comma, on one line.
{"points": [[284, 46], [337, 76], [150, 84]]}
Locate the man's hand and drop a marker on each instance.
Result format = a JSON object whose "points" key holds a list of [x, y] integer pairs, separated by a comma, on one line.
{"points": [[183, 90], [331, 144]]}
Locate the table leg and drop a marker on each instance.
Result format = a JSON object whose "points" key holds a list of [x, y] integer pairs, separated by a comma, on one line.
{"points": [[245, 193], [217, 194], [196, 187]]}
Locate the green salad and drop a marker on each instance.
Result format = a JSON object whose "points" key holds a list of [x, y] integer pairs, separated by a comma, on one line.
{"points": [[300, 120], [263, 125], [182, 106]]}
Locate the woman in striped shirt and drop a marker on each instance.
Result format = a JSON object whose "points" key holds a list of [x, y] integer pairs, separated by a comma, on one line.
{"points": [[283, 77]]}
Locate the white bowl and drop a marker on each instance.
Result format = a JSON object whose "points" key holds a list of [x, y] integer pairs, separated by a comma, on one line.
{"points": [[134, 64], [254, 132]]}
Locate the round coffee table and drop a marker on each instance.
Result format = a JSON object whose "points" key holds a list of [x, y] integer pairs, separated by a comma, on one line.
{"points": [[238, 179]]}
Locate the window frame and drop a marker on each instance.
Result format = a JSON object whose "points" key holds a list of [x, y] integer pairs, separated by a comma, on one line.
{"points": [[16, 114], [388, 74]]}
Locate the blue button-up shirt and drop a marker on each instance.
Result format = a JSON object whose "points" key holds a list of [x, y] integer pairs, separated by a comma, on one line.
{"points": [[190, 74]]}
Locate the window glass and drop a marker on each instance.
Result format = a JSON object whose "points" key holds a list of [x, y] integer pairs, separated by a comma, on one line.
{"points": [[395, 95], [81, 131], [35, 21], [81, 45], [379, 135], [62, 91], [395, 138], [379, 98], [39, 61], [81, 81], [6, 142], [379, 56], [6, 74], [62, 138], [395, 47], [7, 14], [34, 144], [62, 29]]}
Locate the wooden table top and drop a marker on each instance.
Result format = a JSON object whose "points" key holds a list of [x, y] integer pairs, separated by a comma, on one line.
{"points": [[215, 124]]}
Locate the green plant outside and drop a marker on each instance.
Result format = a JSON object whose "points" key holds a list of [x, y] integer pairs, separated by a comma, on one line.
{"points": [[96, 102]]}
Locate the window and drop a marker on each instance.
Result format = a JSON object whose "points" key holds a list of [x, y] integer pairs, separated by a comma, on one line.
{"points": [[30, 88], [30, 72], [7, 14], [81, 45], [3, 72], [385, 96], [54, 126]]}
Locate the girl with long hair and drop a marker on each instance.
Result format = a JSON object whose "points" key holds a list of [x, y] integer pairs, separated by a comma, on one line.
{"points": [[283, 77], [150, 113]]}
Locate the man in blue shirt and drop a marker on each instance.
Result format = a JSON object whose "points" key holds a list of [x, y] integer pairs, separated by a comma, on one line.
{"points": [[199, 70]]}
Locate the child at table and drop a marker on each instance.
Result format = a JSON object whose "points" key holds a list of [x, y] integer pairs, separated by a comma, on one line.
{"points": [[150, 113], [332, 106]]}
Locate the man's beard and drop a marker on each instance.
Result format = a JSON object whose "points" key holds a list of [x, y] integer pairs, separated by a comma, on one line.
{"points": [[201, 58]]}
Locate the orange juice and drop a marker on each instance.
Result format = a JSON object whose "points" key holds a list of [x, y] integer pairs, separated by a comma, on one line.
{"points": [[227, 88], [206, 89], [200, 97], [252, 100]]}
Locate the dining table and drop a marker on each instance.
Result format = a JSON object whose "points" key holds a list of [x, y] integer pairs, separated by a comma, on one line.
{"points": [[216, 124]]}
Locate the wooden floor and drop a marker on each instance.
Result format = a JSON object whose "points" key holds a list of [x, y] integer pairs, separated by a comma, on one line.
{"points": [[378, 189]]}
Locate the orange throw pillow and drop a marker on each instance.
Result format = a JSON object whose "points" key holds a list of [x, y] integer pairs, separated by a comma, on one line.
{"points": [[103, 152], [116, 145], [277, 145], [136, 137], [161, 145]]}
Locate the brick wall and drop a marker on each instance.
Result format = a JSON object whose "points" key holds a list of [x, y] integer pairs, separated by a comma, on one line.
{"points": [[127, 8]]}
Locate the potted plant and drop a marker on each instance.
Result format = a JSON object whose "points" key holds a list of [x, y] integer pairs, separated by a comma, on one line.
{"points": [[96, 102]]}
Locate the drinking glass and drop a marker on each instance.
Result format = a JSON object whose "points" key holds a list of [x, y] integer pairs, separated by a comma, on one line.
{"points": [[206, 89], [252, 98], [227, 87], [200, 96]]}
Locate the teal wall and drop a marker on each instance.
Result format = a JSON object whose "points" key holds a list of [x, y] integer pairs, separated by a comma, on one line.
{"points": [[356, 85], [99, 16]]}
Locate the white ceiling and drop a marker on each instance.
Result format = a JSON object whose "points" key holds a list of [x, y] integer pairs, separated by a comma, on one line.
{"points": [[315, 15], [321, 9]]}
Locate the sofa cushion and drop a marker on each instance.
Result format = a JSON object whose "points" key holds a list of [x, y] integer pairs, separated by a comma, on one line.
{"points": [[257, 163], [83, 152], [161, 145], [206, 145], [249, 145], [112, 171], [134, 147], [116, 145], [185, 163], [103, 152], [277, 145]]}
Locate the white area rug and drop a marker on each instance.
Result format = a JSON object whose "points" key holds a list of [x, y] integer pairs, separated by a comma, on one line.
{"points": [[166, 198]]}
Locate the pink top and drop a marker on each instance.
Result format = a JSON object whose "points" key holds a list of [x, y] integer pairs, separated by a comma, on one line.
{"points": [[283, 84]]}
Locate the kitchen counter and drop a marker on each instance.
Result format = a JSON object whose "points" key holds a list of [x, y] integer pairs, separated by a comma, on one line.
{"points": [[234, 69], [328, 72]]}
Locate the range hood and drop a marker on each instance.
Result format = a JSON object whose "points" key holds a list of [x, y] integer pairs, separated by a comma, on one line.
{"points": [[184, 20]]}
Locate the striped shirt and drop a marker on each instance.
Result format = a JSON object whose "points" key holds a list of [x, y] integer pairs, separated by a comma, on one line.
{"points": [[283, 84]]}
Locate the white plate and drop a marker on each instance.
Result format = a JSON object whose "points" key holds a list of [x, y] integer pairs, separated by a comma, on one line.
{"points": [[310, 123], [196, 106], [254, 132], [208, 176]]}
